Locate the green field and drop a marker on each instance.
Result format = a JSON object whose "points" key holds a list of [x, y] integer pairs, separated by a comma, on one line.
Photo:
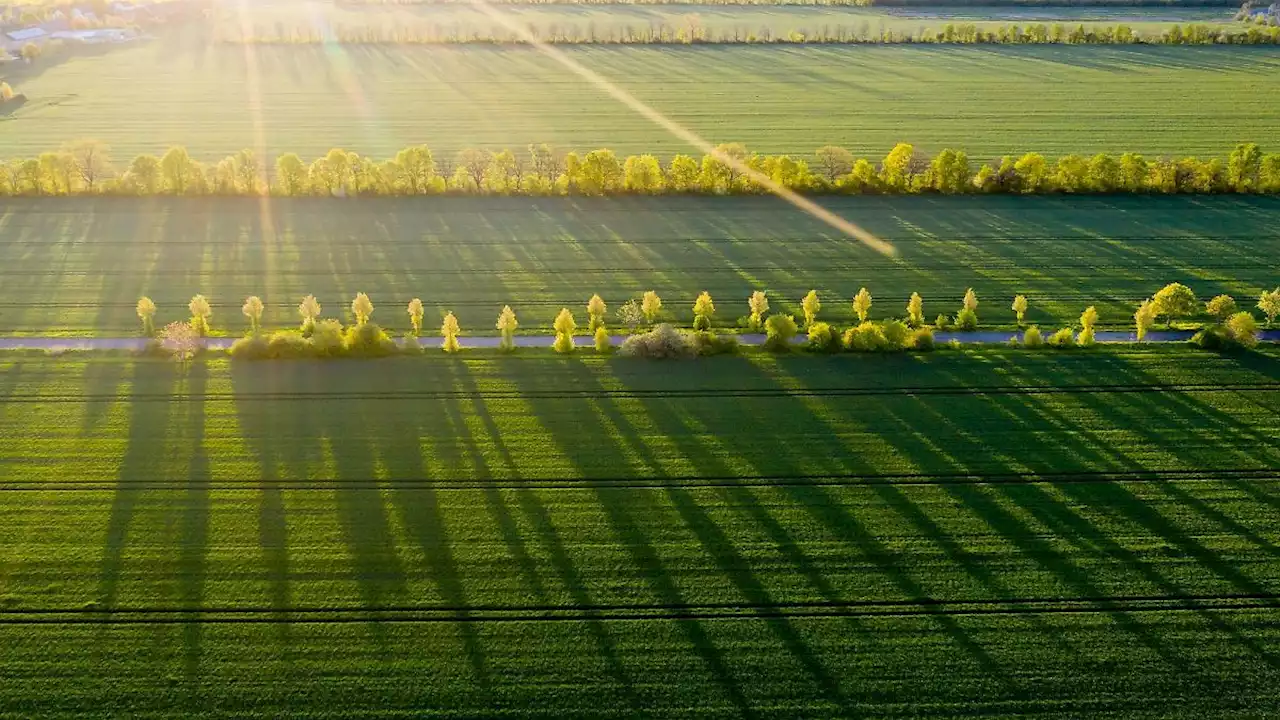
{"points": [[375, 100], [981, 533], [78, 267]]}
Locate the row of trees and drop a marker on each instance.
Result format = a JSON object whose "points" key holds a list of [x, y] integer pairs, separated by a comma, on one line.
{"points": [[86, 168], [319, 336], [693, 33]]}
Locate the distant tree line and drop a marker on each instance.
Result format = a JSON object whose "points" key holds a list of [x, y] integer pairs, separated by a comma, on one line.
{"points": [[320, 337], [823, 3], [86, 168], [695, 34]]}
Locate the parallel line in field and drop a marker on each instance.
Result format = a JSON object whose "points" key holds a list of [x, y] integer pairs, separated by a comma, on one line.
{"points": [[712, 611], [430, 241], [1254, 475], [737, 393]]}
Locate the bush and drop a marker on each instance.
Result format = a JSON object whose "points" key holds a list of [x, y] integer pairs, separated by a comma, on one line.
{"points": [[823, 339], [289, 344], [326, 338], [1032, 338], [967, 319], [780, 329], [921, 340], [1085, 338], [250, 347], [367, 340], [1062, 339], [1239, 332], [1214, 337], [867, 337], [603, 344], [896, 333], [708, 343], [701, 323], [411, 345], [942, 323], [660, 343]]}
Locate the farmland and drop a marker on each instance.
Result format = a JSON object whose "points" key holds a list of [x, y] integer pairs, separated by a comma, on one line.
{"points": [[78, 267], [985, 530], [992, 100]]}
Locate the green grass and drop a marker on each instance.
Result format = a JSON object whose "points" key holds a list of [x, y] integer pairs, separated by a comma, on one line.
{"points": [[79, 267], [375, 100], [980, 532]]}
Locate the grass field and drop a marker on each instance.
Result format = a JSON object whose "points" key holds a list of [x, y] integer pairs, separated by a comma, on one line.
{"points": [[78, 267], [375, 100], [972, 532]]}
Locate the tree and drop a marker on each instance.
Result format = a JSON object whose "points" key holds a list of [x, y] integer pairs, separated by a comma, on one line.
{"points": [[759, 305], [253, 310], [362, 308], [30, 52], [417, 169], [1269, 304], [630, 315], [449, 329], [682, 174], [1020, 307], [181, 340], [564, 326], [600, 173], [602, 341], [92, 160], [1221, 307], [1243, 328], [147, 313], [143, 175], [703, 309], [834, 162], [811, 305], [1174, 301], [507, 327], [897, 167], [1087, 320], [200, 314], [415, 316], [651, 304], [309, 310], [971, 300], [176, 170], [862, 304], [1145, 318], [915, 310], [1033, 171], [291, 175], [6, 92], [1243, 166], [472, 164], [642, 174], [595, 311]]}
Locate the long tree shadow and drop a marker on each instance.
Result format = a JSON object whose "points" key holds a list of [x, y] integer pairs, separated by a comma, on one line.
{"points": [[194, 538], [565, 433]]}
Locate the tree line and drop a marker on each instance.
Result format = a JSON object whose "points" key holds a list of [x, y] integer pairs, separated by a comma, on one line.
{"points": [[693, 33], [320, 337], [86, 168]]}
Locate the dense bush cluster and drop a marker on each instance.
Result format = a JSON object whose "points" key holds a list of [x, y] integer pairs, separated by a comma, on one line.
{"points": [[693, 33], [325, 338], [85, 168]]}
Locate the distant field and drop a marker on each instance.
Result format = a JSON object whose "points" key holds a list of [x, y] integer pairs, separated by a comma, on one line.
{"points": [[79, 266], [584, 538], [986, 100]]}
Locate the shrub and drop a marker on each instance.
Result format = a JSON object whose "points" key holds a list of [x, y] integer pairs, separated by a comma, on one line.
{"points": [[662, 342], [967, 319], [866, 337], [1214, 337], [823, 339], [286, 344], [921, 340], [708, 343], [779, 331], [1062, 339], [410, 344], [1032, 338], [942, 322], [1243, 329], [251, 347], [367, 340], [327, 338], [896, 333], [1085, 338], [603, 344]]}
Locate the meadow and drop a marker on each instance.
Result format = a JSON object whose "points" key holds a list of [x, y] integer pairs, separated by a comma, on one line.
{"points": [[992, 100], [968, 532], [78, 267]]}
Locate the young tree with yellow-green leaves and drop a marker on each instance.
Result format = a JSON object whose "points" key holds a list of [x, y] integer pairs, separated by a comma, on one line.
{"points": [[596, 310], [200, 314], [309, 309], [449, 329], [1145, 318], [147, 313], [1269, 304], [362, 308], [564, 326], [1087, 320], [915, 310], [253, 310], [1221, 307], [651, 304], [415, 316], [862, 304], [1174, 301], [1020, 307], [703, 309], [759, 305], [811, 305], [507, 325]]}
